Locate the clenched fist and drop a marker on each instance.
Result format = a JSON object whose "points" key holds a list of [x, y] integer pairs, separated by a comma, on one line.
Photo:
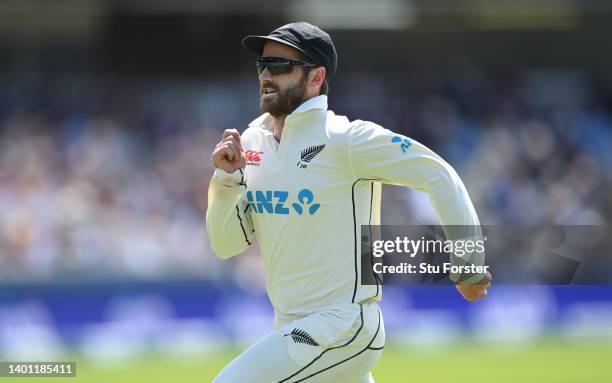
{"points": [[228, 154]]}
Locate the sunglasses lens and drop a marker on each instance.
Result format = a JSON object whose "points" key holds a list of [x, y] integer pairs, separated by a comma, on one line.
{"points": [[280, 68], [274, 68]]}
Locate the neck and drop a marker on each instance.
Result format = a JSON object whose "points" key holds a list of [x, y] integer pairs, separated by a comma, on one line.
{"points": [[279, 124]]}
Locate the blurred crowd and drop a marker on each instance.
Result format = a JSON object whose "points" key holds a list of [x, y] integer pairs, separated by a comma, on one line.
{"points": [[106, 176]]}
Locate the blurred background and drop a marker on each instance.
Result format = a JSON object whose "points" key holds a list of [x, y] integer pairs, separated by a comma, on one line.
{"points": [[109, 111]]}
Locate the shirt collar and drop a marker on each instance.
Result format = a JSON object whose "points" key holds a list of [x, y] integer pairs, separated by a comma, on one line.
{"points": [[317, 102]]}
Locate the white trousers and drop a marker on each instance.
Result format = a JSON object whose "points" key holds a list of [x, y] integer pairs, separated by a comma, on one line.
{"points": [[317, 348]]}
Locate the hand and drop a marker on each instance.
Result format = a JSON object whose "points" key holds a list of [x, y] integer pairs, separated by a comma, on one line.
{"points": [[228, 154], [477, 290]]}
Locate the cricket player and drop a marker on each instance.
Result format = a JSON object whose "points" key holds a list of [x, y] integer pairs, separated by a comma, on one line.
{"points": [[304, 180]]}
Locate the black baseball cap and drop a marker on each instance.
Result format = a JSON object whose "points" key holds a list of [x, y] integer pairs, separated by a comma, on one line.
{"points": [[309, 39]]}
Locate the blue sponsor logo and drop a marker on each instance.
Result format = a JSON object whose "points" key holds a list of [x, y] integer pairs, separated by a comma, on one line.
{"points": [[403, 141], [275, 202]]}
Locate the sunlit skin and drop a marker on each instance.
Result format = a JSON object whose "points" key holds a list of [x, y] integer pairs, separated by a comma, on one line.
{"points": [[283, 82], [476, 291]]}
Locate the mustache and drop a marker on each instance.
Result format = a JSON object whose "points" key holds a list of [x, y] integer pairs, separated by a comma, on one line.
{"points": [[268, 86]]}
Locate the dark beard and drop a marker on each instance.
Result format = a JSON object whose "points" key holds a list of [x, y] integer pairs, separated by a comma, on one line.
{"points": [[288, 100]]}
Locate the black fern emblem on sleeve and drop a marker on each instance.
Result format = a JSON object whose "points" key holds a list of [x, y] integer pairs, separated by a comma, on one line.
{"points": [[301, 336], [308, 154]]}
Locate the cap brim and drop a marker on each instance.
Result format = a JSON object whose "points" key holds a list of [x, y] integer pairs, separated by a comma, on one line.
{"points": [[256, 43]]}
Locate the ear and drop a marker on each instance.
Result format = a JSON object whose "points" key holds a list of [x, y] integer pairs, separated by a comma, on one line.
{"points": [[317, 76]]}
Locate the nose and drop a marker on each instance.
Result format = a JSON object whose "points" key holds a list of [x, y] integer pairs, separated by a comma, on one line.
{"points": [[265, 75]]}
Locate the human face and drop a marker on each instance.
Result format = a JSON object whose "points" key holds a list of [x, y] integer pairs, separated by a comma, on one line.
{"points": [[281, 94]]}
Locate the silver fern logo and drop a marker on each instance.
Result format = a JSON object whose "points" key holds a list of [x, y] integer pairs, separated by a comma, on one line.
{"points": [[301, 336], [308, 154]]}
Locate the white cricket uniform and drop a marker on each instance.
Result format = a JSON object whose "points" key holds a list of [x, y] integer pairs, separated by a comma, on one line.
{"points": [[306, 199]]}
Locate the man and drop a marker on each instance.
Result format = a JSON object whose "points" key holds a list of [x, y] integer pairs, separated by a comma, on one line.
{"points": [[305, 180]]}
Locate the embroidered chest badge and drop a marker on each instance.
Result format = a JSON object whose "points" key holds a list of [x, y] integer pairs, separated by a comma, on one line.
{"points": [[308, 154]]}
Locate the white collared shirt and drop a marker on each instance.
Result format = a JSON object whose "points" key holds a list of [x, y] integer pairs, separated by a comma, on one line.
{"points": [[307, 197]]}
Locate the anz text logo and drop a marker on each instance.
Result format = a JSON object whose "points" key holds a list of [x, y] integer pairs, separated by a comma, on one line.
{"points": [[275, 202], [404, 142]]}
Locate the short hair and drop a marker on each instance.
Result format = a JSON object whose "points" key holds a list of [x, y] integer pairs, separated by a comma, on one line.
{"points": [[324, 90], [324, 87]]}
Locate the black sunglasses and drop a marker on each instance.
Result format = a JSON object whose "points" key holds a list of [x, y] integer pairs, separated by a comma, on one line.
{"points": [[279, 65]]}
